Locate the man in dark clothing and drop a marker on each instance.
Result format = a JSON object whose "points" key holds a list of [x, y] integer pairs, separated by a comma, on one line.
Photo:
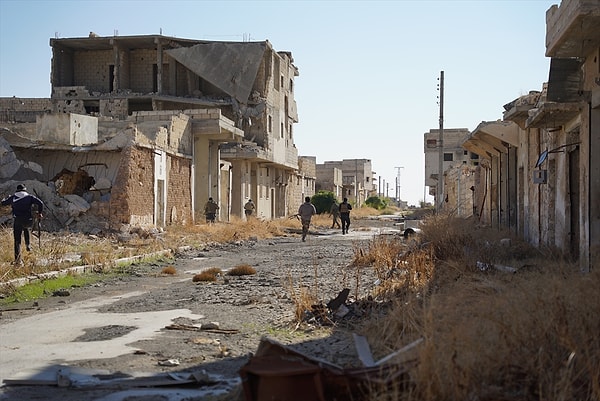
{"points": [[210, 210], [249, 208], [21, 203], [344, 209]]}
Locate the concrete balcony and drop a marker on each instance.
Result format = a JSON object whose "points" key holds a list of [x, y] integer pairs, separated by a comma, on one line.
{"points": [[573, 28]]}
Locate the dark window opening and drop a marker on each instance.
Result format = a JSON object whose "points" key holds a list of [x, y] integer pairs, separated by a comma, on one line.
{"points": [[154, 78], [448, 157], [91, 107], [111, 78]]}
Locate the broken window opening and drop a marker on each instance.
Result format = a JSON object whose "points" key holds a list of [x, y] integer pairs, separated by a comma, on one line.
{"points": [[111, 78], [73, 182], [91, 107], [155, 78]]}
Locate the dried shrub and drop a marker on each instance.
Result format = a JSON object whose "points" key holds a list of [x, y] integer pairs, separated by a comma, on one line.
{"points": [[210, 274], [242, 270], [380, 252], [169, 270], [489, 335], [303, 300]]}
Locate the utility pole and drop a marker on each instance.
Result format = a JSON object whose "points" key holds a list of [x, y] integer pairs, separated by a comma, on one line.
{"points": [[440, 184], [398, 187]]}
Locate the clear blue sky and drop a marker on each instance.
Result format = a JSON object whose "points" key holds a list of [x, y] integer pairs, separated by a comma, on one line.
{"points": [[368, 69]]}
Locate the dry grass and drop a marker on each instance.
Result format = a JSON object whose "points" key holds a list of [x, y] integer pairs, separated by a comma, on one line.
{"points": [[221, 232], [303, 298], [210, 274], [170, 270], [60, 250], [242, 270], [489, 335]]}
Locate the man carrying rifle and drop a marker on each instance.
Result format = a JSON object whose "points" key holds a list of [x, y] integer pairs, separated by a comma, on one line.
{"points": [[21, 203]]}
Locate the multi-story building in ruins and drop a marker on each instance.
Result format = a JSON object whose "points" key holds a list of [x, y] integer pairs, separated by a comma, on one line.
{"points": [[305, 180], [357, 179], [165, 123], [453, 154], [330, 179], [541, 176]]}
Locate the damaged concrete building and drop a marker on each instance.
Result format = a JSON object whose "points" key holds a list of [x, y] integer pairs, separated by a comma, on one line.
{"points": [[454, 156], [147, 128], [356, 179], [540, 174]]}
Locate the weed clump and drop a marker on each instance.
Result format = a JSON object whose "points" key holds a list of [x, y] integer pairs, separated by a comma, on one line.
{"points": [[169, 270], [242, 270], [207, 275]]}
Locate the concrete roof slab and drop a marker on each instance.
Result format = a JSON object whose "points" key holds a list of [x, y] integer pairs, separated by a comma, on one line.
{"points": [[232, 67]]}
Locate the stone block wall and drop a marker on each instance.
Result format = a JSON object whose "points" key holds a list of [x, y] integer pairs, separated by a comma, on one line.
{"points": [[117, 108], [142, 70], [179, 198], [92, 70], [133, 190], [307, 165], [16, 109]]}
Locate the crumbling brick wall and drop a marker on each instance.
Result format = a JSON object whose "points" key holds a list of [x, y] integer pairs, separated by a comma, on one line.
{"points": [[16, 109], [179, 195], [132, 200], [116, 108]]}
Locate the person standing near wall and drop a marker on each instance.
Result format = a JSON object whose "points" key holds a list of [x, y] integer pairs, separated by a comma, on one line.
{"points": [[210, 210], [21, 203], [249, 208], [306, 211], [344, 209]]}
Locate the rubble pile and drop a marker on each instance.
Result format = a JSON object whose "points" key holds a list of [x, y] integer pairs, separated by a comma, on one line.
{"points": [[70, 212]]}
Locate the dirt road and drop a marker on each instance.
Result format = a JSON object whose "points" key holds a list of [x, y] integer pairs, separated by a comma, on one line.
{"points": [[95, 342]]}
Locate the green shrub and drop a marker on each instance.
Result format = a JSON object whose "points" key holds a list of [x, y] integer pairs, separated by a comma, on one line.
{"points": [[323, 201], [376, 202]]}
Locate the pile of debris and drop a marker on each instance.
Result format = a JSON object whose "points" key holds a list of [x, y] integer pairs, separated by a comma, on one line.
{"points": [[68, 211]]}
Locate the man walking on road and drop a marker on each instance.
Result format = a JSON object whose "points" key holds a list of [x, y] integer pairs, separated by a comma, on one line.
{"points": [[334, 212], [306, 211], [344, 209], [21, 202], [210, 210]]}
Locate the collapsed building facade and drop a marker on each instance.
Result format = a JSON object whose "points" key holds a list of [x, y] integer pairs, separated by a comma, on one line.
{"points": [[147, 128], [539, 174], [455, 157]]}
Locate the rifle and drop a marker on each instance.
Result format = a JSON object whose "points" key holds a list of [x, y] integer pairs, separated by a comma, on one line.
{"points": [[37, 226]]}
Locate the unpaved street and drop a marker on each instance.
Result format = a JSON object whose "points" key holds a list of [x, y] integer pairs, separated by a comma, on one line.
{"points": [[82, 346]]}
